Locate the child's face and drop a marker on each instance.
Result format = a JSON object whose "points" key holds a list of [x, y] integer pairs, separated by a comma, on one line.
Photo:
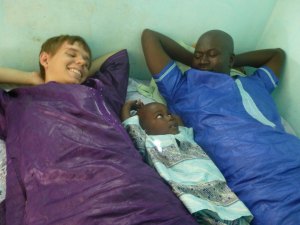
{"points": [[69, 65], [156, 120]]}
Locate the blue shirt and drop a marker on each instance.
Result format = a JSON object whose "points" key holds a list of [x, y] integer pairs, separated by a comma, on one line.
{"points": [[238, 125]]}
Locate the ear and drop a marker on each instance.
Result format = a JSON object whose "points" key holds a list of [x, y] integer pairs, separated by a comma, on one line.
{"points": [[44, 58]]}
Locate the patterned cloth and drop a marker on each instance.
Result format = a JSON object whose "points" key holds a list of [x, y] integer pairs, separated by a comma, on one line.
{"points": [[192, 175]]}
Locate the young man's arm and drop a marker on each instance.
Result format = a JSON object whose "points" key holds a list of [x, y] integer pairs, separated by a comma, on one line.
{"points": [[13, 76], [160, 49], [273, 58], [97, 63]]}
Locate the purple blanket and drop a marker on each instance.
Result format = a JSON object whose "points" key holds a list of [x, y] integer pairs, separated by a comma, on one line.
{"points": [[71, 162]]}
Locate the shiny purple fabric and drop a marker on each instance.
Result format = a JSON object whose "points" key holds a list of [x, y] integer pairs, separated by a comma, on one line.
{"points": [[70, 161]]}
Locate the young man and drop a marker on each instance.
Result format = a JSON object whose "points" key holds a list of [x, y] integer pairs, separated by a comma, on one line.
{"points": [[235, 119], [69, 159], [63, 59]]}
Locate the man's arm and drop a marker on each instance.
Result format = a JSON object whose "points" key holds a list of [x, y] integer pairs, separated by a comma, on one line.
{"points": [[13, 76], [273, 58], [97, 63], [160, 49]]}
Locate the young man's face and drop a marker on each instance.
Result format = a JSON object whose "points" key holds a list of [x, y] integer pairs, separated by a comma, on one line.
{"points": [[69, 65], [156, 120], [210, 55]]}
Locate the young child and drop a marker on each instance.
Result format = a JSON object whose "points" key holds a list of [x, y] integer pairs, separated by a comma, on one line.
{"points": [[194, 178]]}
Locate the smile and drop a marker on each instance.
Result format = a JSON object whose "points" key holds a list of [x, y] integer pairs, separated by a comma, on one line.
{"points": [[77, 72]]}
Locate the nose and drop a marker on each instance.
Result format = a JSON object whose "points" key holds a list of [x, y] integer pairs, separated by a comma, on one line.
{"points": [[171, 117], [81, 61], [204, 59]]}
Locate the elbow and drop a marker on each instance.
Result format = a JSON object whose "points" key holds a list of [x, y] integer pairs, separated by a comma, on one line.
{"points": [[144, 35], [280, 52], [148, 36], [147, 33]]}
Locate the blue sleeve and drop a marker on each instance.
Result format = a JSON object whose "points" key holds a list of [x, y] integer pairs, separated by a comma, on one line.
{"points": [[267, 77], [169, 80]]}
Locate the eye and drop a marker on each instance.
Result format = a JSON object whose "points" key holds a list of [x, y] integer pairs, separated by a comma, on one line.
{"points": [[212, 53], [197, 55], [70, 53], [159, 116]]}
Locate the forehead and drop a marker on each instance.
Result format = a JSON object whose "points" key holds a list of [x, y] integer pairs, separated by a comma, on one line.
{"points": [[209, 42], [76, 47], [152, 108]]}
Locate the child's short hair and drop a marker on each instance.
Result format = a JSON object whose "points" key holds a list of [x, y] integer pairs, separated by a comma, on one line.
{"points": [[53, 44]]}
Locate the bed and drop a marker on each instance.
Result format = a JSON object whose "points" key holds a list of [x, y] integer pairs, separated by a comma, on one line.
{"points": [[98, 176]]}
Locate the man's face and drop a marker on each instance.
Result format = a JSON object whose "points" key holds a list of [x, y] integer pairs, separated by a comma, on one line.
{"points": [[211, 55], [69, 65], [156, 120]]}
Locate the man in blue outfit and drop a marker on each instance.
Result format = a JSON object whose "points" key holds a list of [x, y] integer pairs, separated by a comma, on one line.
{"points": [[235, 119]]}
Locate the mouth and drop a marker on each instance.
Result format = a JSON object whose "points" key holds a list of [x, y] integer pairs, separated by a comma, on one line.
{"points": [[76, 73], [174, 125], [205, 68]]}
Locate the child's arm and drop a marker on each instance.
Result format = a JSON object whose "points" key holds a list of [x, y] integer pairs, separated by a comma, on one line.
{"points": [[13, 76], [128, 106]]}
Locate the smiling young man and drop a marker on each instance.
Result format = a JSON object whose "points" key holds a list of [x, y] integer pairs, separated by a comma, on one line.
{"points": [[64, 59], [235, 119], [69, 159]]}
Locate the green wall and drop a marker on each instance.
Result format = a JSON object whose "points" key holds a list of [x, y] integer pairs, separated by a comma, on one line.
{"points": [[115, 24]]}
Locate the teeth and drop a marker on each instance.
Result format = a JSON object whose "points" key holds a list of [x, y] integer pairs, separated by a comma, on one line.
{"points": [[76, 71]]}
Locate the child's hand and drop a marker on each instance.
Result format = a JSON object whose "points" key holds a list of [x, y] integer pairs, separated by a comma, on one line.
{"points": [[130, 105], [137, 105], [133, 105]]}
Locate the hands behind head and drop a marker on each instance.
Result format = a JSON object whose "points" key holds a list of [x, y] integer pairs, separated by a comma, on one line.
{"points": [[36, 78], [135, 104], [129, 106]]}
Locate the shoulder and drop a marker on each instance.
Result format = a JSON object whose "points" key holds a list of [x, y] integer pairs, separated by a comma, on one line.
{"points": [[170, 69], [267, 76]]}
